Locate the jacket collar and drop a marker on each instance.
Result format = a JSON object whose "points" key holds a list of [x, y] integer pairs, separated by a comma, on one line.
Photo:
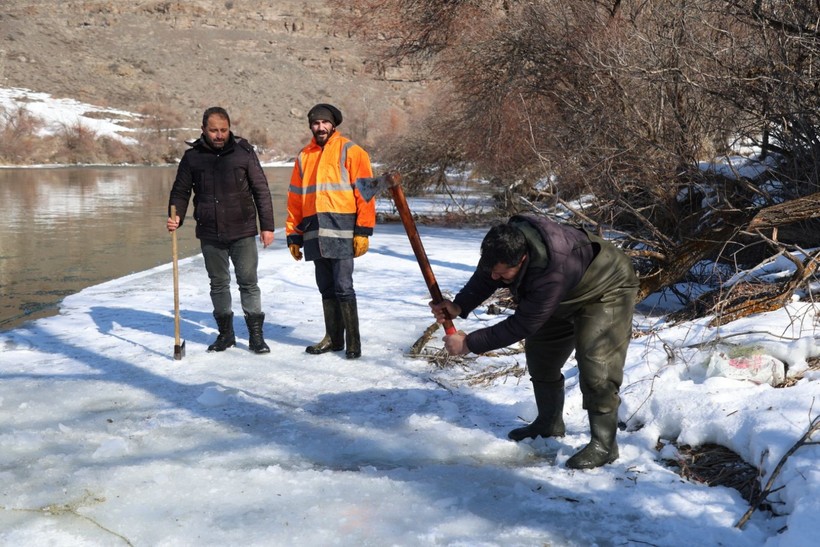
{"points": [[333, 138]]}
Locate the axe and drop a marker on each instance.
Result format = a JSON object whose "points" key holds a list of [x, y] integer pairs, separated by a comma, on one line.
{"points": [[179, 347], [368, 188]]}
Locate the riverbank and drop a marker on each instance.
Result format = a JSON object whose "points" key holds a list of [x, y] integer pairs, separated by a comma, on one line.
{"points": [[108, 440]]}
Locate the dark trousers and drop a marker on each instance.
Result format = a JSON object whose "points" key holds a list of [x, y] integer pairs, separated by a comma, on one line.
{"points": [[334, 278], [595, 321], [245, 258]]}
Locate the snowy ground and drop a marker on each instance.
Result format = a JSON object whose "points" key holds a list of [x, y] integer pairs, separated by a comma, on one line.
{"points": [[107, 440]]}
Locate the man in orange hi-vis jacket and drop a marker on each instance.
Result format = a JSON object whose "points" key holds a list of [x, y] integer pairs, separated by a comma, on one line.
{"points": [[330, 220]]}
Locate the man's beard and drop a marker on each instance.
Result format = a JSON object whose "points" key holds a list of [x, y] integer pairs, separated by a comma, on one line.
{"points": [[215, 145], [322, 137]]}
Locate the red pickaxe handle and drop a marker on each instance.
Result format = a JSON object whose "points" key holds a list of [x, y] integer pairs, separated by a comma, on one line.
{"points": [[394, 181]]}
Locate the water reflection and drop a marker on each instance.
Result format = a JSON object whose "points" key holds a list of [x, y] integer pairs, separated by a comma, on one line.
{"points": [[65, 229]]}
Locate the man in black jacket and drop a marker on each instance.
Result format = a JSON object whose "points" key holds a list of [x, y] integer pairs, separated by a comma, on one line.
{"points": [[230, 189], [574, 292]]}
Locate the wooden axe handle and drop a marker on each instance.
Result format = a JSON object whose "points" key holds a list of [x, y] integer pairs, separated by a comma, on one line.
{"points": [[175, 258], [394, 181]]}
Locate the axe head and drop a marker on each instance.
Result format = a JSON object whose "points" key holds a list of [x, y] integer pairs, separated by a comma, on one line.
{"points": [[369, 187], [179, 351]]}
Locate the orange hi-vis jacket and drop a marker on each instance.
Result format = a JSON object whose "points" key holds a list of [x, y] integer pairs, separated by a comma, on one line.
{"points": [[325, 209]]}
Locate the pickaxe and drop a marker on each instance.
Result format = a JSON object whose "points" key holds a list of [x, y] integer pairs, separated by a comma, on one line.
{"points": [[368, 188]]}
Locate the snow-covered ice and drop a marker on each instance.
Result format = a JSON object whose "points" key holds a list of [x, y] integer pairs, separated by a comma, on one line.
{"points": [[107, 440]]}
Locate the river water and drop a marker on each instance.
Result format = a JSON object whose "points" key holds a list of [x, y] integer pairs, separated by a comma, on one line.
{"points": [[67, 228]]}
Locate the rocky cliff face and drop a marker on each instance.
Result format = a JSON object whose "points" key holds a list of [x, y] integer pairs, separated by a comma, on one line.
{"points": [[266, 61]]}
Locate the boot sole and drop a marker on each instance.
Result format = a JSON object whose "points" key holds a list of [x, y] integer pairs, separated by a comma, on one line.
{"points": [[212, 349], [311, 350], [609, 459], [525, 435]]}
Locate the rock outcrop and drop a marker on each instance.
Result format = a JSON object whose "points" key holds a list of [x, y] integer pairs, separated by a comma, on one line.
{"points": [[267, 62]]}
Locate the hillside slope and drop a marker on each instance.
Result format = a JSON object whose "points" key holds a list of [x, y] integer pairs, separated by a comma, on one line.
{"points": [[266, 61]]}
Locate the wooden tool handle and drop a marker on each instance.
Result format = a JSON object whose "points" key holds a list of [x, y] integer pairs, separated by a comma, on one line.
{"points": [[418, 249], [175, 256]]}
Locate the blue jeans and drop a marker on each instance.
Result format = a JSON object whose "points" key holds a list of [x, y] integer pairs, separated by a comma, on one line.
{"points": [[245, 258], [334, 277]]}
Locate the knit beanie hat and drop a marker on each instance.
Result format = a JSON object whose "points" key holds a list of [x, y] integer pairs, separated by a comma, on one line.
{"points": [[327, 112]]}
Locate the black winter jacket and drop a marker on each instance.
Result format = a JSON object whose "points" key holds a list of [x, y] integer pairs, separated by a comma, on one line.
{"points": [[557, 258], [229, 188]]}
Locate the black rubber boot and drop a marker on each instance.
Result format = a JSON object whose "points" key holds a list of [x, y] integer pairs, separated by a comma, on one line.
{"points": [[256, 342], [549, 398], [602, 448], [226, 338], [334, 329], [350, 318]]}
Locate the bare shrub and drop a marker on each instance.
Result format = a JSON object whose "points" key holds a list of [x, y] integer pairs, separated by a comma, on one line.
{"points": [[18, 135], [620, 101], [160, 118], [153, 149], [158, 134], [260, 138], [78, 144], [782, 87], [424, 153], [115, 151]]}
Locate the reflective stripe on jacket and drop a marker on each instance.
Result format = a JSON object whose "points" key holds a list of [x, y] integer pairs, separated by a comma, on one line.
{"points": [[325, 209]]}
